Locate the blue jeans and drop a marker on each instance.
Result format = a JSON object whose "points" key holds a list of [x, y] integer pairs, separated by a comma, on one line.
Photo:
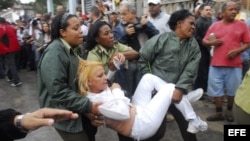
{"points": [[37, 54]]}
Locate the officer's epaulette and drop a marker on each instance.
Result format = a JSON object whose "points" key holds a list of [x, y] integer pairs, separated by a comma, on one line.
{"points": [[99, 51]]}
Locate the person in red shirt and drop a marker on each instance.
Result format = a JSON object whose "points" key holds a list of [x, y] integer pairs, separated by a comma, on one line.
{"points": [[225, 72], [9, 45]]}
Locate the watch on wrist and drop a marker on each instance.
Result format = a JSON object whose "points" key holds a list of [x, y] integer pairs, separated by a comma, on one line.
{"points": [[19, 124]]}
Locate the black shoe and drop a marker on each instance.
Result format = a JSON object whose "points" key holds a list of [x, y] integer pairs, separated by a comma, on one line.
{"points": [[216, 117], [229, 116], [203, 97]]}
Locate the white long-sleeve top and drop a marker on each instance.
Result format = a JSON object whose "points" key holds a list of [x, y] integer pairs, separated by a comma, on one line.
{"points": [[115, 104]]}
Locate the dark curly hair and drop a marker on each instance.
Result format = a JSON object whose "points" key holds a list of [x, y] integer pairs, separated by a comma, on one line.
{"points": [[179, 15]]}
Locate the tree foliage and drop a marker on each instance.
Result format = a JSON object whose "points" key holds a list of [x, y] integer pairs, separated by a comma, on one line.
{"points": [[4, 4], [41, 5]]}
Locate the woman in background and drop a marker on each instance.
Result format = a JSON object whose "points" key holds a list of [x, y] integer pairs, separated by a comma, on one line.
{"points": [[46, 32]]}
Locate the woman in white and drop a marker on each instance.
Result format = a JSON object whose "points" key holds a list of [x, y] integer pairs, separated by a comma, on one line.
{"points": [[141, 119]]}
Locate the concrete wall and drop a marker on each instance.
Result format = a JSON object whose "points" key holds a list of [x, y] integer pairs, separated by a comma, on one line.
{"points": [[13, 14], [217, 6], [172, 5], [169, 6], [246, 4]]}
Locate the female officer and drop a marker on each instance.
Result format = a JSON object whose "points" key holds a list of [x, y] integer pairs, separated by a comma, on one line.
{"points": [[56, 78]]}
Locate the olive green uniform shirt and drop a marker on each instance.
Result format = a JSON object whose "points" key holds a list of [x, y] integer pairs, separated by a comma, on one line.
{"points": [[101, 54], [57, 86]]}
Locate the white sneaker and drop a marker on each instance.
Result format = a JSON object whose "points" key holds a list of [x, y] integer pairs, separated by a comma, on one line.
{"points": [[16, 84], [197, 125], [7, 79], [195, 95]]}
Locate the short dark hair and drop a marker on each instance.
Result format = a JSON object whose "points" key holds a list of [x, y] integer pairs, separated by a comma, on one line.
{"points": [[202, 6], [95, 11], [179, 15]]}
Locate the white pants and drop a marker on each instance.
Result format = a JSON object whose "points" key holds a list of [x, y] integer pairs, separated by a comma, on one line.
{"points": [[151, 111]]}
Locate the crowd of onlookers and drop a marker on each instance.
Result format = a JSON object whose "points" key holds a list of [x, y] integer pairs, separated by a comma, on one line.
{"points": [[199, 51]]}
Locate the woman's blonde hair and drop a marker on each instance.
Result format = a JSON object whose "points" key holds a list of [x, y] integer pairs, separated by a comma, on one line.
{"points": [[86, 71]]}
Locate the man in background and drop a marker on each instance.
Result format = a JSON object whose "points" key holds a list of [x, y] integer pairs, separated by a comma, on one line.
{"points": [[202, 23], [9, 45], [60, 9], [225, 72], [157, 17]]}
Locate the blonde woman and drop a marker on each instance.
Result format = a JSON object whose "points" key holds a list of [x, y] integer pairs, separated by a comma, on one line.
{"points": [[145, 112]]}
